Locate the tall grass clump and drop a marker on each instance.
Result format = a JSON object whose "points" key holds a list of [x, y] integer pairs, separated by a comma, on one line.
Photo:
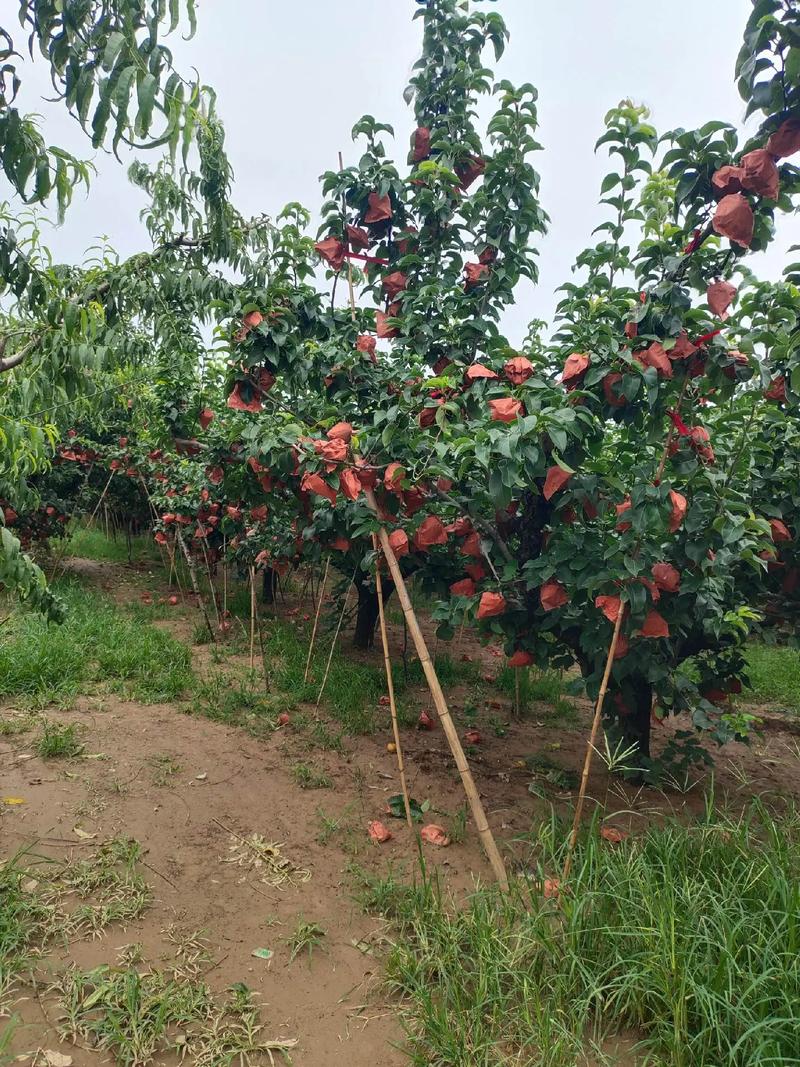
{"points": [[99, 647], [686, 938]]}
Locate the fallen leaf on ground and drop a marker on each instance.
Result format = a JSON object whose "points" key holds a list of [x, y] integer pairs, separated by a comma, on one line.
{"points": [[84, 835]]}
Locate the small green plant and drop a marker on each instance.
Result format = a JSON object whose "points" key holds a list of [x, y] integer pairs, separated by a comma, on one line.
{"points": [[200, 634], [305, 938], [458, 826], [59, 741], [397, 807], [164, 768], [329, 826], [224, 696], [547, 770], [308, 777], [42, 899], [323, 737]]}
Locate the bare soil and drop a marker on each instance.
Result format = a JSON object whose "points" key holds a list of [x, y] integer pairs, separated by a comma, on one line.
{"points": [[185, 787]]}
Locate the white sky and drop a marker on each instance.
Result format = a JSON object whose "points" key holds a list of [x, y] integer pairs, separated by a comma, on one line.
{"points": [[292, 78]]}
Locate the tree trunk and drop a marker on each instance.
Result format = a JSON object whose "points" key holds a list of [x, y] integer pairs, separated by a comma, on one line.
{"points": [[270, 585], [628, 724], [367, 617]]}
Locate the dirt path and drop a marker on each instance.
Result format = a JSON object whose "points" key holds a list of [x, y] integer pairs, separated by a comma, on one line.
{"points": [[214, 777], [184, 787]]}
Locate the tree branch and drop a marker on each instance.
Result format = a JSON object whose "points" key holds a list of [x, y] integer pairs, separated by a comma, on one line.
{"points": [[479, 524]]}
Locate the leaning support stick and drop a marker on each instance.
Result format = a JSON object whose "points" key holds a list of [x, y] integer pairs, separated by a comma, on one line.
{"points": [[587, 763], [316, 620], [252, 617], [390, 686], [333, 644], [478, 813]]}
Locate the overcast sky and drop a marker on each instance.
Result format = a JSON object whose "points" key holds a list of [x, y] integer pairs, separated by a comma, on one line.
{"points": [[292, 78]]}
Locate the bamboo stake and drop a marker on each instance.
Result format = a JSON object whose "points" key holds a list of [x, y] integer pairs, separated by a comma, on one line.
{"points": [[102, 498], [195, 587], [333, 644], [261, 647], [478, 813], [153, 515], [316, 620], [587, 763], [252, 617], [224, 576], [390, 687], [460, 638], [211, 586]]}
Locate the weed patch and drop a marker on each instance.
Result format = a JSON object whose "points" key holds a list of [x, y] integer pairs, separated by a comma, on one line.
{"points": [[98, 648], [686, 936], [307, 776], [141, 1017], [58, 742]]}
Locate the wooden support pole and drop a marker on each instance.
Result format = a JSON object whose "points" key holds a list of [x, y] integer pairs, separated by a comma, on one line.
{"points": [[252, 617], [316, 620], [478, 813], [195, 586], [224, 577], [333, 643], [587, 763], [390, 687], [211, 586]]}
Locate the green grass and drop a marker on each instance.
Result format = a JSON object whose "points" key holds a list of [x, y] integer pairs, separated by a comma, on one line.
{"points": [[143, 1018], [774, 675], [226, 696], [308, 777], [687, 937], [20, 916], [99, 648], [92, 543], [353, 689], [539, 687], [305, 938], [44, 900], [58, 742]]}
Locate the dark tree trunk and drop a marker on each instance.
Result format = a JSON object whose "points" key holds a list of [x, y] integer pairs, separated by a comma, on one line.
{"points": [[367, 616], [269, 585], [629, 709]]}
